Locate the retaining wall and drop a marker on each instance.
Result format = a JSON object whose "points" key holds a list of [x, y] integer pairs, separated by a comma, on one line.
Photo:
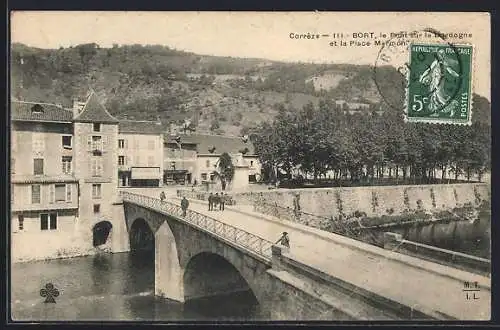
{"points": [[374, 201]]}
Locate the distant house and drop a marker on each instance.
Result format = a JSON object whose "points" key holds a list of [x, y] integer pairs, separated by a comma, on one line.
{"points": [[352, 107], [140, 153], [196, 156]]}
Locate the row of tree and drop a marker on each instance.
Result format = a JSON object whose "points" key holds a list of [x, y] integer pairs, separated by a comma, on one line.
{"points": [[325, 139]]}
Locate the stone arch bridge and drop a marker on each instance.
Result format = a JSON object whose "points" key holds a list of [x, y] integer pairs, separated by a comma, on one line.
{"points": [[199, 256]]}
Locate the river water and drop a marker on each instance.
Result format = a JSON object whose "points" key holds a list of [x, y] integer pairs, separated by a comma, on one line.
{"points": [[118, 287]]}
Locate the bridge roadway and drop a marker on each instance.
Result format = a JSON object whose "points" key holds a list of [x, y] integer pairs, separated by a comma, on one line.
{"points": [[425, 286]]}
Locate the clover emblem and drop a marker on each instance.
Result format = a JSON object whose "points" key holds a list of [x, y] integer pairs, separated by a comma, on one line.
{"points": [[49, 293]]}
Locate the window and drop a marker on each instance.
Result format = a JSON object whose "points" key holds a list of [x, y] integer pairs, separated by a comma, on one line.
{"points": [[204, 176], [38, 166], [151, 160], [68, 193], [207, 163], [66, 164], [20, 221], [96, 143], [97, 208], [97, 166], [212, 177], [251, 163], [121, 160], [151, 144], [60, 192], [35, 194], [66, 141], [96, 190], [97, 127], [44, 221], [48, 221], [121, 143]]}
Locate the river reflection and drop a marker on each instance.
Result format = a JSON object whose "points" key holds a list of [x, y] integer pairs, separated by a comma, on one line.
{"points": [[112, 287]]}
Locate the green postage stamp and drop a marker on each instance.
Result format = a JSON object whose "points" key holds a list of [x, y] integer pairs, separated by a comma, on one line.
{"points": [[440, 84]]}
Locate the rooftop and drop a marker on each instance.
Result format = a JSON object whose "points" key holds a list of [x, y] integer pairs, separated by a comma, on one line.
{"points": [[140, 127], [205, 143], [94, 111], [37, 111]]}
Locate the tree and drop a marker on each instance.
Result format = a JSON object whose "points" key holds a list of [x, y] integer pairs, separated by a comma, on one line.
{"points": [[226, 169]]}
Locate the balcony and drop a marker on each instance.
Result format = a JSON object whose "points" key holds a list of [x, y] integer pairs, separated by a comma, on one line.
{"points": [[17, 207], [28, 179]]}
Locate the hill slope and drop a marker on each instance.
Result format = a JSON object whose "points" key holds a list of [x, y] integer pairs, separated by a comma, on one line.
{"points": [[220, 94]]}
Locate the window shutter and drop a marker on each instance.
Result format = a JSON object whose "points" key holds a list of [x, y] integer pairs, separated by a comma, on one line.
{"points": [[89, 143], [127, 161], [126, 143], [52, 192], [105, 140], [68, 193]]}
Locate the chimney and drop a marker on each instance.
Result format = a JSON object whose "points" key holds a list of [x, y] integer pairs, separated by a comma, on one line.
{"points": [[77, 107]]}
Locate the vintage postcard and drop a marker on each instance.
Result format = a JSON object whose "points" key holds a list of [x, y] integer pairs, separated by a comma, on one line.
{"points": [[249, 166]]}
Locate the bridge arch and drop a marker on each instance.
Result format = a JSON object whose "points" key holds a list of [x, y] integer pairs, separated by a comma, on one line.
{"points": [[141, 236], [209, 274]]}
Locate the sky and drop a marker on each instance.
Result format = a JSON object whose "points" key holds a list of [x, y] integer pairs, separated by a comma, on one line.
{"points": [[250, 34]]}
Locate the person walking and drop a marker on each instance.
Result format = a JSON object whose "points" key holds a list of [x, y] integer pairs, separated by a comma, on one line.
{"points": [[184, 205], [211, 202], [216, 201], [222, 201], [162, 196], [284, 240]]}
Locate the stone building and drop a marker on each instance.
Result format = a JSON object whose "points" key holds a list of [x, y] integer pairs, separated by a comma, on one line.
{"points": [[196, 156], [140, 153], [64, 181]]}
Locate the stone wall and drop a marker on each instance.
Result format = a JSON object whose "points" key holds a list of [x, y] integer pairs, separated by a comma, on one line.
{"points": [[374, 201]]}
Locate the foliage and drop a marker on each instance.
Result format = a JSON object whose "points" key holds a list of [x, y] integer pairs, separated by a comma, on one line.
{"points": [[226, 167], [317, 140]]}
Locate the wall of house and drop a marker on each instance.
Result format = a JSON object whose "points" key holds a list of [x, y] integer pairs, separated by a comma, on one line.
{"points": [[144, 150], [108, 180], [22, 199], [33, 243], [37, 140], [254, 166]]}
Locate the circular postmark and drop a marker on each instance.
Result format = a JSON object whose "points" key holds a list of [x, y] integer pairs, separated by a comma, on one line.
{"points": [[419, 72]]}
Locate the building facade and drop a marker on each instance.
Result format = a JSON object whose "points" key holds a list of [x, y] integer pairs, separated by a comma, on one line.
{"points": [[64, 180], [197, 156], [140, 154]]}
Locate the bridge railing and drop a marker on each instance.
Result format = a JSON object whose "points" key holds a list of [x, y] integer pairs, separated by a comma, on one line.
{"points": [[233, 234]]}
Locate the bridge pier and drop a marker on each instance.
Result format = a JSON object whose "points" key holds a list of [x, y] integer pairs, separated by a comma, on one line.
{"points": [[168, 271]]}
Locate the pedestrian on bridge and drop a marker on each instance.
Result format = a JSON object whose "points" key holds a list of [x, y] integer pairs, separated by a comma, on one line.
{"points": [[284, 240], [222, 201], [211, 202], [162, 196], [184, 205], [216, 201]]}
